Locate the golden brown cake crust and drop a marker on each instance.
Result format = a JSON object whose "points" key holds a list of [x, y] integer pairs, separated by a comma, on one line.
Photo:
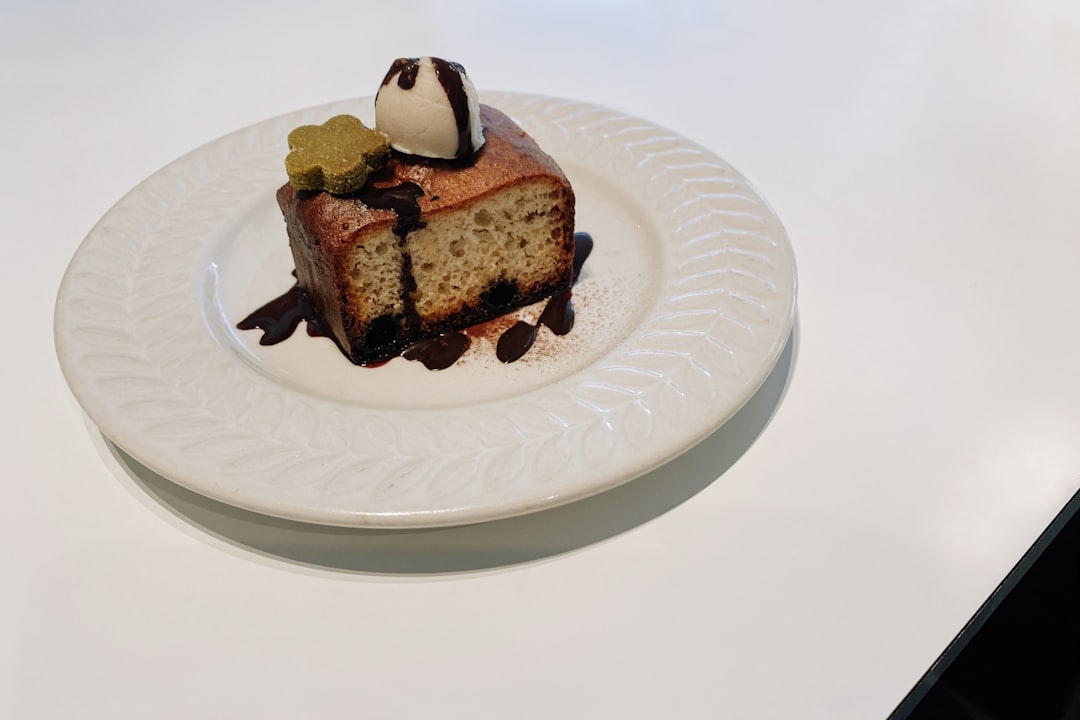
{"points": [[325, 229], [508, 155]]}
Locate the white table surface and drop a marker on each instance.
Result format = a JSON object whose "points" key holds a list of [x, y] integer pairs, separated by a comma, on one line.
{"points": [[811, 559]]}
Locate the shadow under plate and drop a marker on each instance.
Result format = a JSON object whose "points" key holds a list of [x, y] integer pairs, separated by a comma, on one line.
{"points": [[486, 545]]}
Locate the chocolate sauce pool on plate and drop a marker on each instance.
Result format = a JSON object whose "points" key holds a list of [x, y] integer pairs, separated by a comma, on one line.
{"points": [[280, 317], [440, 352]]}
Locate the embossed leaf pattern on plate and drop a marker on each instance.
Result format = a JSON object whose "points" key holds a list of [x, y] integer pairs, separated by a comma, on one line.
{"points": [[142, 345]]}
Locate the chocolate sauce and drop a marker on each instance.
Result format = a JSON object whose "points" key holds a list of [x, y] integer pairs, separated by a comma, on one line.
{"points": [[515, 342], [408, 67], [438, 353], [450, 76], [583, 244], [280, 317], [558, 315], [403, 199]]}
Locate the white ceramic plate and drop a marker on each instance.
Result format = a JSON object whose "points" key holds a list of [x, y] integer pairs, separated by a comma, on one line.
{"points": [[682, 311]]}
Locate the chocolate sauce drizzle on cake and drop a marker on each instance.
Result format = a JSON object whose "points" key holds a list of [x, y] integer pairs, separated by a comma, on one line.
{"points": [[280, 317], [403, 199]]}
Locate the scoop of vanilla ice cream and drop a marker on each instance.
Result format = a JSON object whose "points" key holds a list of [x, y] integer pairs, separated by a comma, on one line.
{"points": [[428, 107]]}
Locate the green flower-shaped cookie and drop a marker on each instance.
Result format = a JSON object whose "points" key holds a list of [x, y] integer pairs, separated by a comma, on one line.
{"points": [[336, 156]]}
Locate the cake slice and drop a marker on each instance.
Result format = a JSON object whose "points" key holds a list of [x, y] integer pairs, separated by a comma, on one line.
{"points": [[429, 246]]}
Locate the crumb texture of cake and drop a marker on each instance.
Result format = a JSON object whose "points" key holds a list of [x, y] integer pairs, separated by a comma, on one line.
{"points": [[431, 246], [497, 252]]}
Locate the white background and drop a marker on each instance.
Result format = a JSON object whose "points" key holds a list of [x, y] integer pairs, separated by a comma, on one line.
{"points": [[810, 560]]}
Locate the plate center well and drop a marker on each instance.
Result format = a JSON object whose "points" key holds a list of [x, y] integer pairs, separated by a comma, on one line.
{"points": [[252, 264]]}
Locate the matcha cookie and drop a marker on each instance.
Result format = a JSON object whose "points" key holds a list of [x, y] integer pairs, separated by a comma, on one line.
{"points": [[336, 156]]}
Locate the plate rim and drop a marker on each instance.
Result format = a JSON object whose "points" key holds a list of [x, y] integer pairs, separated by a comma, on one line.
{"points": [[639, 131]]}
